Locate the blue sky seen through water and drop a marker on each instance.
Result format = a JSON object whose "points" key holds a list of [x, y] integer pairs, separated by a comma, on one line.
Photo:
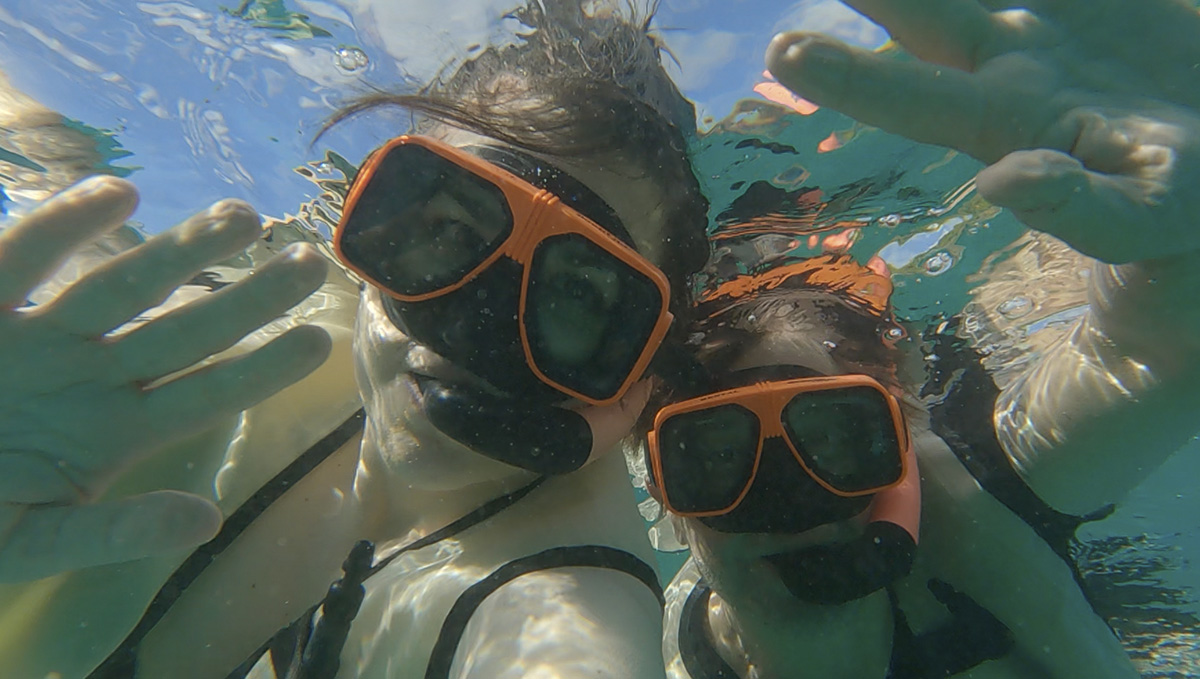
{"points": [[221, 106]]}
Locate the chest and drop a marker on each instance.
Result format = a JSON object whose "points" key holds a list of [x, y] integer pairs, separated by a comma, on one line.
{"points": [[278, 566]]}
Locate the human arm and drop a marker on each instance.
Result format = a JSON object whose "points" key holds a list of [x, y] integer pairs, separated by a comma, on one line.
{"points": [[980, 548], [82, 405], [1093, 138], [582, 622]]}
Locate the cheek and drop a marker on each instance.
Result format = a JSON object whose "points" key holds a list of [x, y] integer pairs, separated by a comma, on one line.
{"points": [[399, 439], [733, 570], [408, 447]]}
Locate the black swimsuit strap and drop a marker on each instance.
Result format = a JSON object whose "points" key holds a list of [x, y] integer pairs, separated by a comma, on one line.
{"points": [[591, 556], [699, 657], [964, 397], [121, 662], [302, 650], [484, 512]]}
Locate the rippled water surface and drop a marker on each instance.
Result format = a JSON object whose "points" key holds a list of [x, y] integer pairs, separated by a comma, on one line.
{"points": [[196, 101]]}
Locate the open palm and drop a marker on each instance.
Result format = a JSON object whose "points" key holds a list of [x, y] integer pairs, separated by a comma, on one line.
{"points": [[1087, 113], [79, 404]]}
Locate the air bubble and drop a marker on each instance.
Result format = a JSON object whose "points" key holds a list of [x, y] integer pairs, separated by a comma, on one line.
{"points": [[1015, 308], [939, 264], [351, 59]]}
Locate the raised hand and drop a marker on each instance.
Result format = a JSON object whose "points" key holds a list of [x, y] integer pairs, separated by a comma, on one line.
{"points": [[1087, 113], [79, 405]]}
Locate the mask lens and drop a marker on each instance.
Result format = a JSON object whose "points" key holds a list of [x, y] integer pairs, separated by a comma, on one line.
{"points": [[846, 437], [708, 457], [588, 315], [422, 223]]}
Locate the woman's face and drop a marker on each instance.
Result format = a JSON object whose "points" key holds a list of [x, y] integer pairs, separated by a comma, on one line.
{"points": [[738, 565], [389, 363]]}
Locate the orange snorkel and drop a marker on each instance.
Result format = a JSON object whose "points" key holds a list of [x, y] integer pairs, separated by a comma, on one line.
{"points": [[901, 504]]}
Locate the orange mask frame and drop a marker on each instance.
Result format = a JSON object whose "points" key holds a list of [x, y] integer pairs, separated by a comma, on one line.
{"points": [[537, 215], [767, 401]]}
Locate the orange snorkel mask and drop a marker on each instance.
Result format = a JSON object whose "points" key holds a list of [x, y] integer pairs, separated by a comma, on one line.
{"points": [[792, 450], [501, 274]]}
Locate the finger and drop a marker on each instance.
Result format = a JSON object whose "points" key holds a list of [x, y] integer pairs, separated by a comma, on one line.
{"points": [[921, 101], [40, 241], [191, 402], [34, 477], [1121, 30], [146, 275], [956, 33], [611, 423], [215, 322], [44, 541], [1097, 214]]}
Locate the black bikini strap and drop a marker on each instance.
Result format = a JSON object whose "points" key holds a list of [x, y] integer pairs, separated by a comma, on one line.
{"points": [[592, 556], [302, 650], [696, 651], [484, 512], [121, 662]]}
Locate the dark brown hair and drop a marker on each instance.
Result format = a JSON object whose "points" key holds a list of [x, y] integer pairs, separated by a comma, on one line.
{"points": [[722, 334], [579, 85]]}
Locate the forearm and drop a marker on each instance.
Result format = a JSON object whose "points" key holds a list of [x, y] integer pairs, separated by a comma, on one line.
{"points": [[1148, 312], [980, 548], [1106, 405]]}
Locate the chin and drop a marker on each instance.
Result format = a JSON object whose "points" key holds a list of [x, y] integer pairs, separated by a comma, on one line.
{"points": [[399, 437]]}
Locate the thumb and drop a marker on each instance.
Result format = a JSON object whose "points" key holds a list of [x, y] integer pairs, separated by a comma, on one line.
{"points": [[611, 423], [43, 541], [1097, 214]]}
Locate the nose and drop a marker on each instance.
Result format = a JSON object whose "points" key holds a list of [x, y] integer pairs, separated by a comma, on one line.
{"points": [[780, 477], [784, 498]]}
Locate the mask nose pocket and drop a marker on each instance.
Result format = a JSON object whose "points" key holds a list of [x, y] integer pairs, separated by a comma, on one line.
{"points": [[476, 328], [785, 499]]}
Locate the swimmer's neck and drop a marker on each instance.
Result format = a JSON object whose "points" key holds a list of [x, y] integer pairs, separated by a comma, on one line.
{"points": [[594, 505], [762, 639], [396, 510]]}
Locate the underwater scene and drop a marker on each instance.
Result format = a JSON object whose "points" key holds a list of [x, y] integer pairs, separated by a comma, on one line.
{"points": [[460, 544]]}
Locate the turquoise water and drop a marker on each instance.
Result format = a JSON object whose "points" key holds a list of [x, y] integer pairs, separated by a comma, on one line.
{"points": [[195, 101]]}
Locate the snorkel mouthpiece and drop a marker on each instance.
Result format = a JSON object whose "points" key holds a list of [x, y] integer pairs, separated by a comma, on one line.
{"points": [[842, 572], [838, 573], [541, 439]]}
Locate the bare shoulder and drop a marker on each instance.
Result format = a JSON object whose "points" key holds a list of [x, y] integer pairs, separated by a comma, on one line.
{"points": [[585, 622]]}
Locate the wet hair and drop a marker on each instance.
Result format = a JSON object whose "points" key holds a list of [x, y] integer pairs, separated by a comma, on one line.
{"points": [[580, 85], [722, 334]]}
